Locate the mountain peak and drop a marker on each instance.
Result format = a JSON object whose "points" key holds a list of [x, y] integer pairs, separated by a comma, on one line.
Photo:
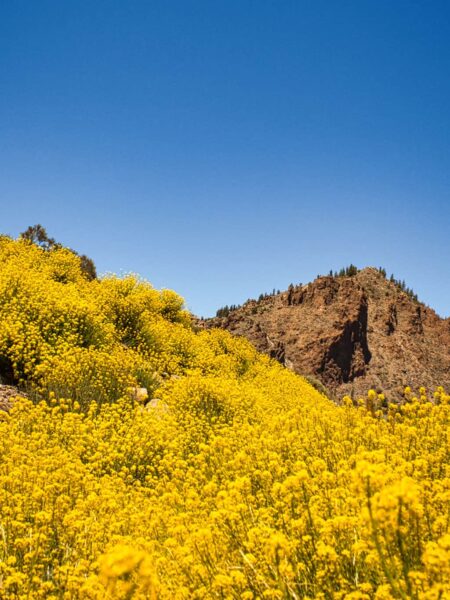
{"points": [[352, 331]]}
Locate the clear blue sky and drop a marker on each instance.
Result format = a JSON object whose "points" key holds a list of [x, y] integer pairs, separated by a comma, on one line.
{"points": [[225, 148]]}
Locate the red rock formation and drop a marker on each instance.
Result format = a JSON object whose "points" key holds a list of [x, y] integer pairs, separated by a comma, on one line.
{"points": [[352, 333]]}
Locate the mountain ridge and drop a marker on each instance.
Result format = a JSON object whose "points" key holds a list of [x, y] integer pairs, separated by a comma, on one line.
{"points": [[352, 332]]}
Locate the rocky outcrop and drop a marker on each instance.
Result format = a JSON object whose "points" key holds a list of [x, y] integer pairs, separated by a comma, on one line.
{"points": [[348, 355], [352, 333], [7, 395]]}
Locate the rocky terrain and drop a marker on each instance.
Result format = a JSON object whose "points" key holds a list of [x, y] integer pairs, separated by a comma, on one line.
{"points": [[7, 395], [352, 333]]}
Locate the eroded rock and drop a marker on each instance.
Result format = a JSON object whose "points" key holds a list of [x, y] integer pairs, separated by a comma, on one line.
{"points": [[352, 333]]}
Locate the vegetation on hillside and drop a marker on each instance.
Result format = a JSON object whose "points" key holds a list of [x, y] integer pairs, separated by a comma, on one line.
{"points": [[349, 271], [37, 234], [224, 311], [238, 479]]}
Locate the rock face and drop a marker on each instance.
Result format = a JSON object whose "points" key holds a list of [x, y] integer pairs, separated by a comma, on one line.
{"points": [[352, 333]]}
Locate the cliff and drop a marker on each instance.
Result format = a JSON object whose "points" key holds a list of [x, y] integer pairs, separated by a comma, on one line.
{"points": [[352, 333]]}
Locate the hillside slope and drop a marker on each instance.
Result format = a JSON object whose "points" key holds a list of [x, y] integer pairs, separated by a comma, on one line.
{"points": [[238, 480], [353, 333]]}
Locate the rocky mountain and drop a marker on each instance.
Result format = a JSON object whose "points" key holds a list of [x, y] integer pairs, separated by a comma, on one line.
{"points": [[353, 333]]}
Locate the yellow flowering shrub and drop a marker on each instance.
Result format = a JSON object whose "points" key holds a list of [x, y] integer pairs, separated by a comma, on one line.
{"points": [[237, 481], [61, 332]]}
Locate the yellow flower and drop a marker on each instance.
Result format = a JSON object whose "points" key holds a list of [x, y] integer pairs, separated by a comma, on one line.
{"points": [[248, 483]]}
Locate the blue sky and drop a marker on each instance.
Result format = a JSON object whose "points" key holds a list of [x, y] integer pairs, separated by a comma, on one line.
{"points": [[222, 149]]}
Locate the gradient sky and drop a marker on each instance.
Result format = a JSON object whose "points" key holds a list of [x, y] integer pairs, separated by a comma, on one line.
{"points": [[222, 149]]}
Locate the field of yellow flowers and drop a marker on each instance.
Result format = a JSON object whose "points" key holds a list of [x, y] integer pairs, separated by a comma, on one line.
{"points": [[238, 481]]}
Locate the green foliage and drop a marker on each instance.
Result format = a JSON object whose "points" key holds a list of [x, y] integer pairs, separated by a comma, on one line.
{"points": [[349, 271], [401, 285], [223, 312]]}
